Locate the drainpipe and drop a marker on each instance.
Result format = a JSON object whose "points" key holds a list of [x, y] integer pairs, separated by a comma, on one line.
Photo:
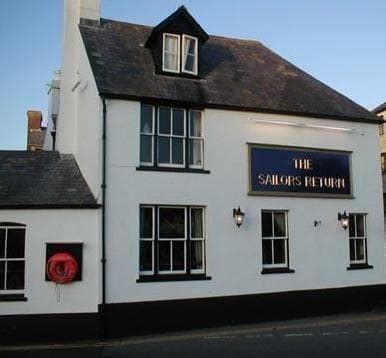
{"points": [[103, 246]]}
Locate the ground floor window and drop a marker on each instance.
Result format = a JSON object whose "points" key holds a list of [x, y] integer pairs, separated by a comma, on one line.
{"points": [[12, 257], [274, 230], [172, 240], [357, 239]]}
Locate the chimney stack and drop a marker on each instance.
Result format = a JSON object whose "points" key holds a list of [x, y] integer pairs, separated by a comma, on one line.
{"points": [[36, 133]]}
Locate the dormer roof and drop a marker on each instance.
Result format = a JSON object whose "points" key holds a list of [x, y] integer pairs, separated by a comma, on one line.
{"points": [[179, 20]]}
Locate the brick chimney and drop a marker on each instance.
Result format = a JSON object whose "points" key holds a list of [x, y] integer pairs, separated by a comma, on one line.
{"points": [[36, 133]]}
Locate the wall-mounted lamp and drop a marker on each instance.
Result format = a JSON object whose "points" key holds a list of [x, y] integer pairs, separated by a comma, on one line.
{"points": [[343, 219], [238, 215]]}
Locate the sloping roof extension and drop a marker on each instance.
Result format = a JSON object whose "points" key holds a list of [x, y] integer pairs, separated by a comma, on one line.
{"points": [[42, 180], [235, 74]]}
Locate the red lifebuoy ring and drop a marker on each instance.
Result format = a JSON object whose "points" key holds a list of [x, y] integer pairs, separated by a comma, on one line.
{"points": [[62, 268]]}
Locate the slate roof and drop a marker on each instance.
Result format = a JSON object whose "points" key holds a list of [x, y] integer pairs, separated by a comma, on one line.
{"points": [[42, 179], [380, 108], [235, 74]]}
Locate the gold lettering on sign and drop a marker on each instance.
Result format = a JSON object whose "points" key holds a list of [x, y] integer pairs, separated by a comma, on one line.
{"points": [[303, 164]]}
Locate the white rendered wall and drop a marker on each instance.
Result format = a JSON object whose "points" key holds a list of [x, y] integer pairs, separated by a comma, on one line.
{"points": [[56, 226], [88, 134], [319, 255]]}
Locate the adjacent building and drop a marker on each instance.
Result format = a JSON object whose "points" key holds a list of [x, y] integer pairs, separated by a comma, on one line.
{"points": [[380, 111], [216, 183], [35, 131]]}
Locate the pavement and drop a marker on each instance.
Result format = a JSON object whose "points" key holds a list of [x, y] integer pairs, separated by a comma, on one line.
{"points": [[354, 335]]}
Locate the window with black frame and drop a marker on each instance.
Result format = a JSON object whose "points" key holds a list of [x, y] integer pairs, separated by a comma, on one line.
{"points": [[171, 137], [172, 241], [12, 258], [274, 229]]}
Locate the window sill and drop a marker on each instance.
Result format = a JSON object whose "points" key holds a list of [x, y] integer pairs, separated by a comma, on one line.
{"points": [[173, 170], [164, 278], [359, 267], [12, 297], [276, 270]]}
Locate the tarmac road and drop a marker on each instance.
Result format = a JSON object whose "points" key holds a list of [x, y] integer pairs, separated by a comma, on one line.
{"points": [[361, 335]]}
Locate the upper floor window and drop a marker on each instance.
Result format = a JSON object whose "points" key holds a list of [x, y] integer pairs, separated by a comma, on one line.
{"points": [[12, 257], [383, 161], [180, 54], [171, 137], [381, 129]]}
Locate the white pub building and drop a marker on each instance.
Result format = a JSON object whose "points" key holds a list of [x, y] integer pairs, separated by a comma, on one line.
{"points": [[188, 180]]}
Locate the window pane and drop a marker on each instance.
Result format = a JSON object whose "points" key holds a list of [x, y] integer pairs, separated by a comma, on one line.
{"points": [[178, 122], [2, 275], [360, 249], [178, 255], [197, 254], [15, 243], [279, 251], [195, 124], [164, 120], [351, 225], [171, 61], [279, 222], [189, 63], [164, 150], [195, 152], [352, 250], [164, 255], [15, 275], [146, 119], [171, 44], [146, 256], [196, 223], [178, 151], [146, 223], [146, 150], [2, 243], [171, 223], [267, 252], [266, 224], [360, 225]]}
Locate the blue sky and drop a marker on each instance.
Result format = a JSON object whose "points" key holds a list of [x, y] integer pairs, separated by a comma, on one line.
{"points": [[342, 43]]}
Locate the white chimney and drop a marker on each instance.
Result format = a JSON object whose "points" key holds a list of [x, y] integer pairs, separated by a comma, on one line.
{"points": [[72, 49], [90, 9]]}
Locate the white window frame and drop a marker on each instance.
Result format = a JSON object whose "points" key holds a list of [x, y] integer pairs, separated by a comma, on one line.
{"points": [[171, 136], [273, 237], [355, 237], [152, 239], [178, 37], [184, 240], [147, 134], [5, 259], [201, 239], [201, 139], [183, 60]]}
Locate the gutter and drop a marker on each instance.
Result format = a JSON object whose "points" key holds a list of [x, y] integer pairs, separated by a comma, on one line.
{"points": [[103, 228]]}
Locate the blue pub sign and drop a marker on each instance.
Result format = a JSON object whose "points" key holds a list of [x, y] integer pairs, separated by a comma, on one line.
{"points": [[293, 171]]}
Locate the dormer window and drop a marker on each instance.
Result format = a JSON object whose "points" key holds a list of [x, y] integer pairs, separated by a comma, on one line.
{"points": [[175, 60]]}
